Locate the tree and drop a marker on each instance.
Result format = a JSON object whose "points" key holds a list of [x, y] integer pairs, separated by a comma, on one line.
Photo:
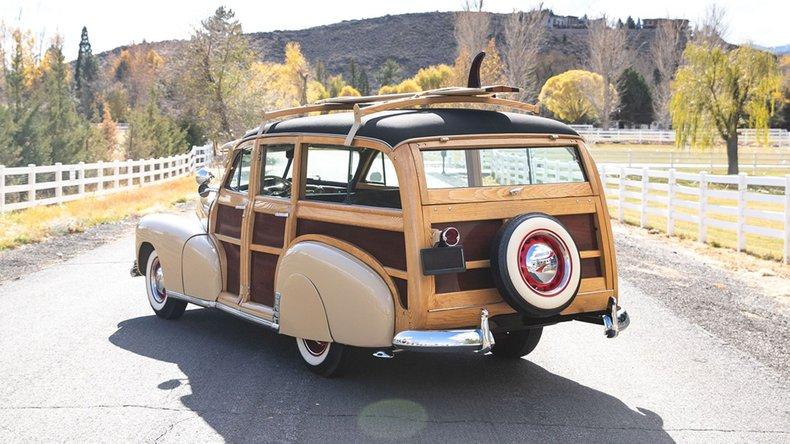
{"points": [[629, 23], [109, 134], [718, 90], [64, 131], [316, 91], [575, 96], [86, 75], [433, 77], [471, 27], [9, 151], [666, 50], [349, 90], [492, 71], [297, 70], [389, 73], [153, 134], [524, 34], [335, 84], [609, 57], [216, 63], [319, 72], [636, 105], [137, 70], [23, 104]]}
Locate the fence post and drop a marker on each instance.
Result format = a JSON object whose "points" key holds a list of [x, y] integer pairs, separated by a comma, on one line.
{"points": [[786, 255], [81, 178], [741, 238], [100, 177], [643, 206], [2, 189], [129, 172], [58, 182], [620, 197], [116, 171], [31, 182], [703, 204], [630, 157], [671, 202], [754, 163], [671, 160]]}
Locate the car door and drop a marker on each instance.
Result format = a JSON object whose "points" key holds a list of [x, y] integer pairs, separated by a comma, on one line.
{"points": [[268, 231], [227, 221]]}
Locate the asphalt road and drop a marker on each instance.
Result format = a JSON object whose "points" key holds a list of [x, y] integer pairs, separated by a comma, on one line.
{"points": [[83, 358]]}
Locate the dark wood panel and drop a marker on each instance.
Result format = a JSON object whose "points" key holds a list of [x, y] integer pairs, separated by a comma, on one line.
{"points": [[591, 267], [476, 236], [582, 229], [232, 255], [402, 285], [268, 230], [388, 247], [229, 221], [262, 269], [476, 279]]}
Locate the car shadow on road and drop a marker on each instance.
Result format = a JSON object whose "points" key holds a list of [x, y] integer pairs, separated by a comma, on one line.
{"points": [[248, 384]]}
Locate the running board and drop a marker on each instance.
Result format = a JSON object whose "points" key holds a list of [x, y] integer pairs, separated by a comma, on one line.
{"points": [[227, 309]]}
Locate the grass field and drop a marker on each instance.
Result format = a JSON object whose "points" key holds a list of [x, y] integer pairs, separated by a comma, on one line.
{"points": [[38, 223]]}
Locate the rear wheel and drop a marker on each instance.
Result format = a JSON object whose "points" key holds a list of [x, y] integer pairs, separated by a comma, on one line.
{"points": [[515, 344], [164, 307], [321, 357]]}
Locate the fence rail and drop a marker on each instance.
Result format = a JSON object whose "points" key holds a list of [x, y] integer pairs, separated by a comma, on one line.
{"points": [[747, 136], [739, 205], [34, 185], [747, 160]]}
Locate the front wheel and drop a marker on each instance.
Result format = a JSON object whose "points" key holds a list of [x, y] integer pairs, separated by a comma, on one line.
{"points": [[323, 358], [164, 307], [515, 344]]}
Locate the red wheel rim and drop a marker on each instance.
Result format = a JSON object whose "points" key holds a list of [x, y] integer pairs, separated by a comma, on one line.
{"points": [[555, 285], [316, 348]]}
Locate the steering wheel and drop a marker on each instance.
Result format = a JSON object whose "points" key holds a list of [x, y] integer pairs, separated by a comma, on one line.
{"points": [[276, 186]]}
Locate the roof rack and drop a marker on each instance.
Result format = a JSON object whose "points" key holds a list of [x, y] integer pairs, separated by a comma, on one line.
{"points": [[366, 105]]}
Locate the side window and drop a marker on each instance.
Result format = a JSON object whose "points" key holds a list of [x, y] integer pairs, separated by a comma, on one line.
{"points": [[239, 178], [332, 175], [382, 172], [277, 171]]}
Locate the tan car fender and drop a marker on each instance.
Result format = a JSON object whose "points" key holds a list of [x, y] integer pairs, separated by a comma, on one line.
{"points": [[185, 250], [328, 294]]}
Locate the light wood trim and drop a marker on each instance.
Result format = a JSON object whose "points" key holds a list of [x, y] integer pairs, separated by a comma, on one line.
{"points": [[465, 317], [394, 272], [369, 217], [592, 285], [496, 210], [471, 265], [414, 101], [266, 249], [508, 193], [587, 302], [504, 140], [228, 239], [271, 205], [587, 254], [464, 299], [400, 311]]}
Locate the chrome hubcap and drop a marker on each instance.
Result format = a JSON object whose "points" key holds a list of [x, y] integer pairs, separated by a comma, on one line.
{"points": [[542, 262], [157, 282]]}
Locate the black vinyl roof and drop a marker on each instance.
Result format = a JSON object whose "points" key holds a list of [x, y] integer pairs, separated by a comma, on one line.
{"points": [[393, 127]]}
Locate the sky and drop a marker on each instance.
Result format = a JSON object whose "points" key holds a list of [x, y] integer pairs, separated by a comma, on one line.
{"points": [[762, 22]]}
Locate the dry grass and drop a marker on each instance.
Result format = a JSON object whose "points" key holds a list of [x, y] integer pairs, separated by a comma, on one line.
{"points": [[38, 223]]}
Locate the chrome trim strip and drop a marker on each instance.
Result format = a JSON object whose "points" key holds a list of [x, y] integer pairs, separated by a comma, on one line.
{"points": [[248, 317], [191, 299], [479, 340]]}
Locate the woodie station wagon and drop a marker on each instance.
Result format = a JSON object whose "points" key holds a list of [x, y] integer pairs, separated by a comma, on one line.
{"points": [[384, 223]]}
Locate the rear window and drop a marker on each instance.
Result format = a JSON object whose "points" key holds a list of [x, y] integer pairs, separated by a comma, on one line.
{"points": [[489, 167]]}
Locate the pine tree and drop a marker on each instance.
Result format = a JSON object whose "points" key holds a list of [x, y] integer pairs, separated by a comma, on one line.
{"points": [[389, 73], [153, 134], [9, 152], [364, 83], [629, 23], [86, 74], [353, 74], [24, 105], [65, 131], [636, 104]]}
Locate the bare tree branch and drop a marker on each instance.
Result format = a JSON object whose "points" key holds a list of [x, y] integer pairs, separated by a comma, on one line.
{"points": [[666, 50], [609, 57], [525, 33]]}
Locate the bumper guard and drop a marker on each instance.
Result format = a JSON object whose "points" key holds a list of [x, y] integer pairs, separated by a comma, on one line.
{"points": [[479, 340]]}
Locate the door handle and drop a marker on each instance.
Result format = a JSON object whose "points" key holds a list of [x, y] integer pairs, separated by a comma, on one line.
{"points": [[240, 207], [281, 214]]}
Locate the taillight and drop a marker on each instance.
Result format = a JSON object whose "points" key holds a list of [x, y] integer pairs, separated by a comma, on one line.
{"points": [[544, 262], [450, 237]]}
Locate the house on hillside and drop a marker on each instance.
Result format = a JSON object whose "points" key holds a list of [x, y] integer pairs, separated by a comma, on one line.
{"points": [[655, 22]]}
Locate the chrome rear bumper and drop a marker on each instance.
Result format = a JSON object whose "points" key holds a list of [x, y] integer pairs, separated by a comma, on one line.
{"points": [[615, 320], [478, 340]]}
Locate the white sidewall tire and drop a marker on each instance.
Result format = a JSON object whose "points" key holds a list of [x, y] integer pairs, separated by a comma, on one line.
{"points": [[149, 276], [526, 292], [310, 358]]}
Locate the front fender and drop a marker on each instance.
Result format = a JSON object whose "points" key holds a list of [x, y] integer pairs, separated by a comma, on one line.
{"points": [[167, 233], [327, 293]]}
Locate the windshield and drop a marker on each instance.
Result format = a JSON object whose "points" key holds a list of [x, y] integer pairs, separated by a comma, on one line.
{"points": [[486, 167]]}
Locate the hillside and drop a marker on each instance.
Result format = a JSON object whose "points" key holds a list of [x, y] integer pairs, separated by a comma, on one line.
{"points": [[413, 40]]}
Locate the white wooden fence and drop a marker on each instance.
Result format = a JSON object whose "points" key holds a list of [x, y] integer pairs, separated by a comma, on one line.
{"points": [[754, 160], [33, 185], [747, 136], [663, 192]]}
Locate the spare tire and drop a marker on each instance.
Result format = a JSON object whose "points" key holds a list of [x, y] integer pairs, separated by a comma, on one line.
{"points": [[536, 264]]}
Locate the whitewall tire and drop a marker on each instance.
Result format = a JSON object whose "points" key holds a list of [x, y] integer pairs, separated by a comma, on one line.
{"points": [[323, 358], [536, 264], [163, 306]]}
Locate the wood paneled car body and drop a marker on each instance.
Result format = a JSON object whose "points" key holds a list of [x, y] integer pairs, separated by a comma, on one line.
{"points": [[394, 227]]}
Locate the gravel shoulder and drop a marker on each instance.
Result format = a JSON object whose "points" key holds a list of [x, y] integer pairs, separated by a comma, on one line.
{"points": [[740, 299]]}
